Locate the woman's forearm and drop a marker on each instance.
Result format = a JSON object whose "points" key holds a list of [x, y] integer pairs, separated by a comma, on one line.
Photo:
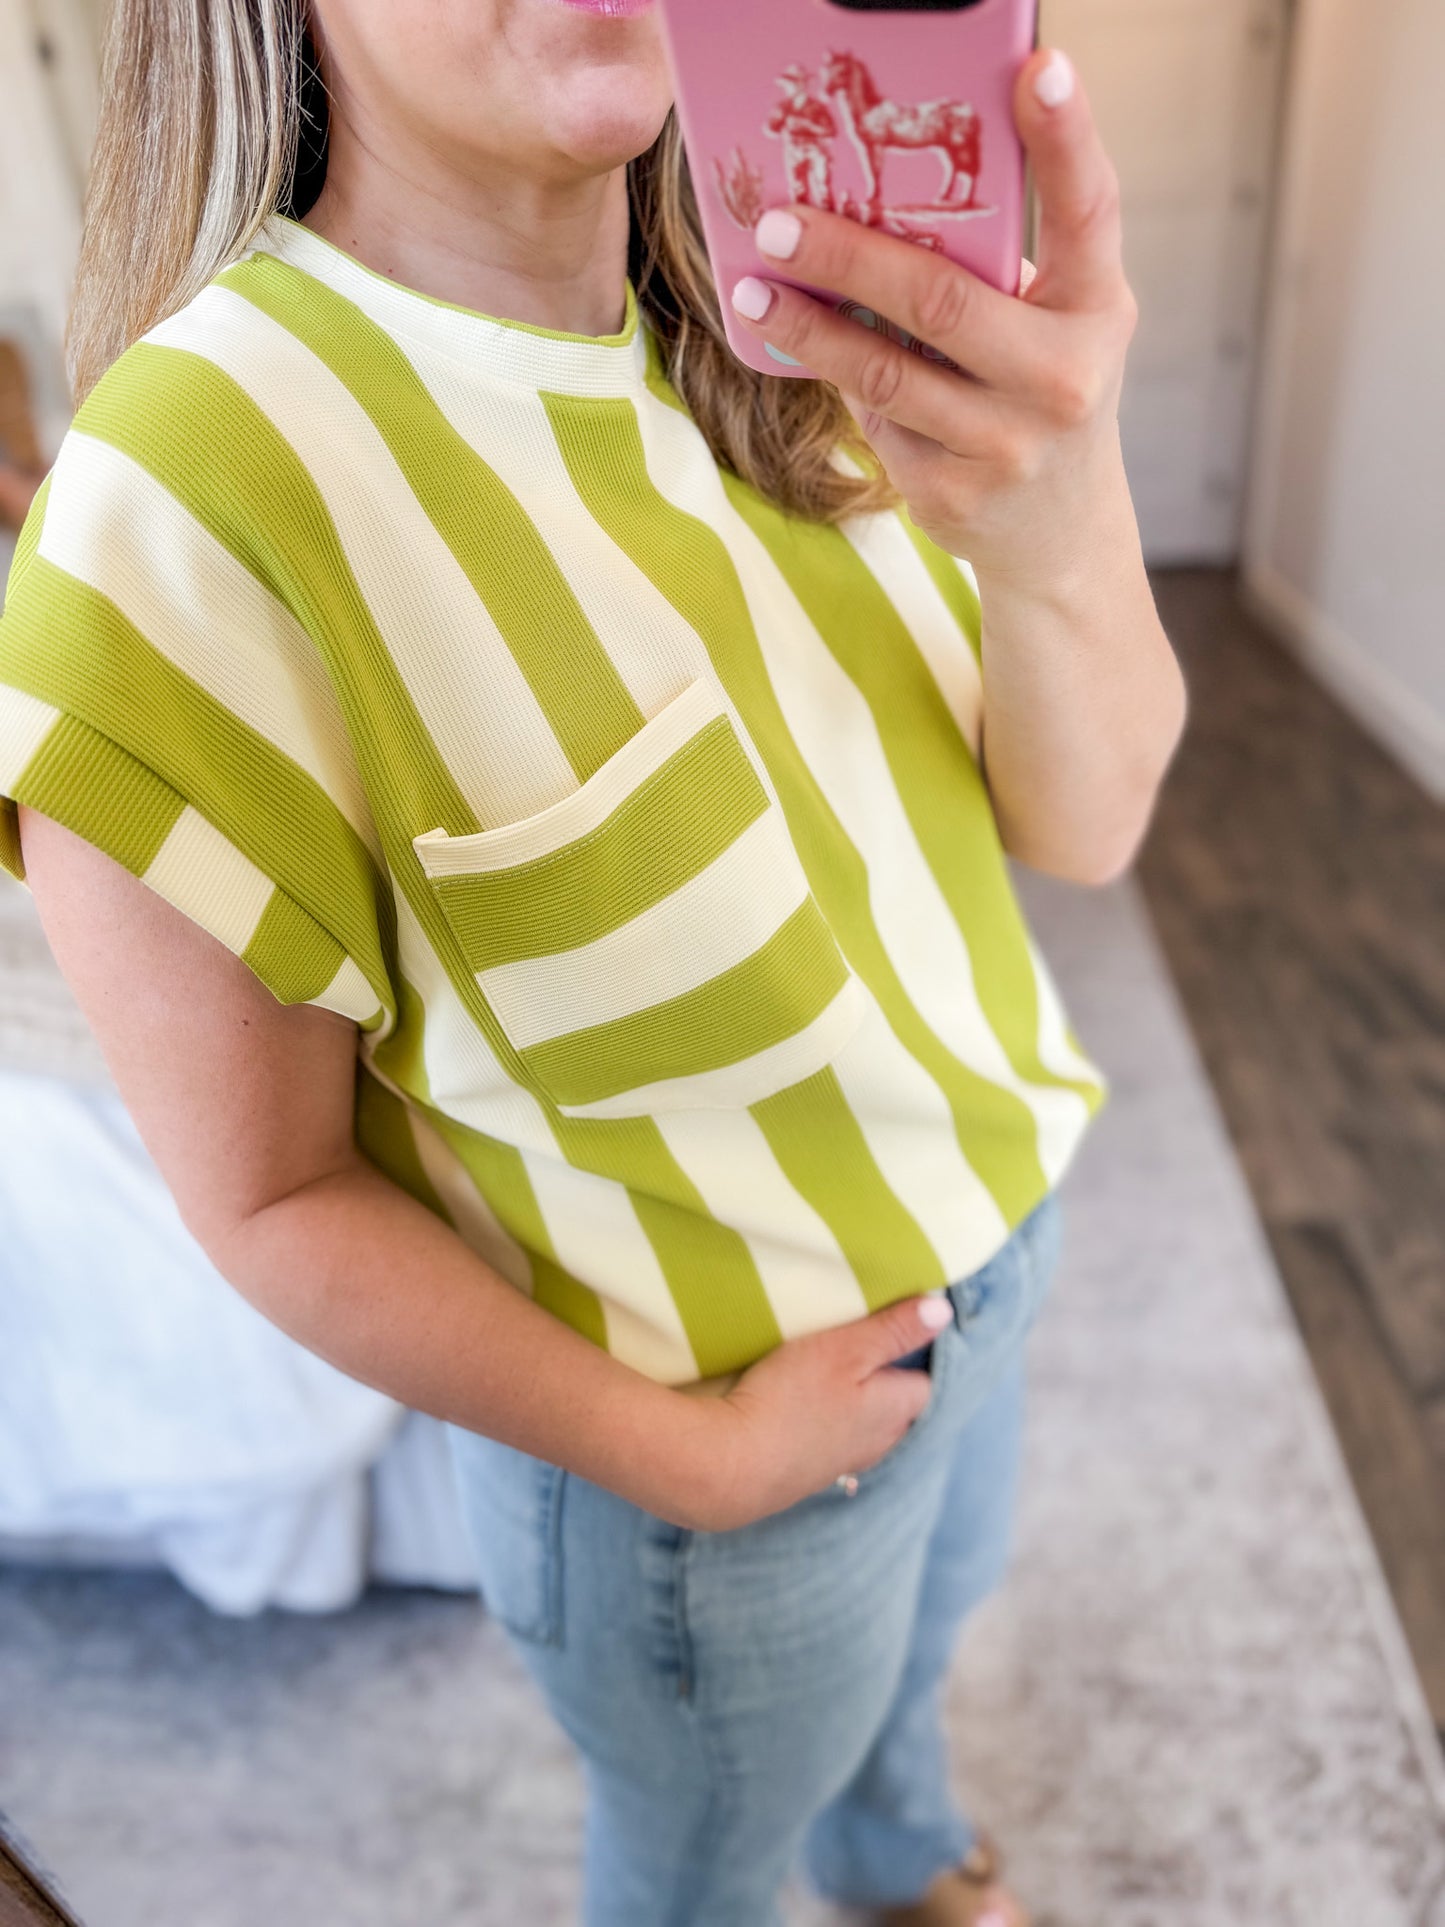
{"points": [[1084, 701], [357, 1271]]}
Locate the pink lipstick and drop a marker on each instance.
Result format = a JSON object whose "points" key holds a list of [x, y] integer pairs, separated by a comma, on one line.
{"points": [[610, 9]]}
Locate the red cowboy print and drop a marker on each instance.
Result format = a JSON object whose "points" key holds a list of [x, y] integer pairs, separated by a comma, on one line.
{"points": [[807, 124]]}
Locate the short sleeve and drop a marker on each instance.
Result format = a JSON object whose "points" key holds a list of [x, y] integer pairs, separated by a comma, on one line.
{"points": [[160, 700]]}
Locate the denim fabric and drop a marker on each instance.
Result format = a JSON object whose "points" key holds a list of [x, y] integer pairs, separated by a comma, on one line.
{"points": [[748, 1701]]}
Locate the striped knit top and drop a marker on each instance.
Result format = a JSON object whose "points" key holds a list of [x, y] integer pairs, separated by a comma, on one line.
{"points": [[431, 663]]}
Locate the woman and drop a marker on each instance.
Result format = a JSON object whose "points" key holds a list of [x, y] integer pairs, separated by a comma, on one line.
{"points": [[506, 785]]}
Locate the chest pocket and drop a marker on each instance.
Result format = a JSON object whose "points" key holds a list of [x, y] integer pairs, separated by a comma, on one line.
{"points": [[650, 943]]}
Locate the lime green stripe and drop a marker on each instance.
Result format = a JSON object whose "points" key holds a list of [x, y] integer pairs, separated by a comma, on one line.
{"points": [[97, 789], [662, 835], [399, 1057], [576, 1304], [291, 952], [938, 782], [760, 1002], [497, 1170], [500, 1174], [28, 540], [656, 377], [481, 521], [823, 1153], [72, 647], [710, 1271], [689, 564], [254, 495], [384, 1136], [952, 584], [10, 856]]}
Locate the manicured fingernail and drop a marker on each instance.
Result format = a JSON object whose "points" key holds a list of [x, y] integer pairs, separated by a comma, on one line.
{"points": [[778, 234], [1054, 81], [935, 1313], [752, 298]]}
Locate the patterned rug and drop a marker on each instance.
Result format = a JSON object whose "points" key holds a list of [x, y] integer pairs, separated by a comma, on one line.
{"points": [[1190, 1707]]}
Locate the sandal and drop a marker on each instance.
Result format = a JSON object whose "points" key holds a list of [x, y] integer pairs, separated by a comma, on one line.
{"points": [[968, 1895]]}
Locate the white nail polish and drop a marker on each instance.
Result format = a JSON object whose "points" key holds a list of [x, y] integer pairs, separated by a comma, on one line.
{"points": [[1054, 82], [752, 298], [778, 233]]}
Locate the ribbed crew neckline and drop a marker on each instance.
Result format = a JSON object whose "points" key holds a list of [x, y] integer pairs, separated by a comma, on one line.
{"points": [[493, 345]]}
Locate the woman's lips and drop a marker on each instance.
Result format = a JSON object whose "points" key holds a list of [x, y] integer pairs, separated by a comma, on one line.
{"points": [[610, 9]]}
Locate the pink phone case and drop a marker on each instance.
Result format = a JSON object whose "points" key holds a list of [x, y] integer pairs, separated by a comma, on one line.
{"points": [[900, 120]]}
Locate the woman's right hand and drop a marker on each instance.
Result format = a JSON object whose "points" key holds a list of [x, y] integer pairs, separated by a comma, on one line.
{"points": [[813, 1408]]}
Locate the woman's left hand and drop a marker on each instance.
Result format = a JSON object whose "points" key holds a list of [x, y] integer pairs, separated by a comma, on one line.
{"points": [[1012, 460]]}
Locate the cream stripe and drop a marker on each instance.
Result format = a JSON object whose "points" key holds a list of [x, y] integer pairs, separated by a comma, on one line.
{"points": [[485, 346], [594, 1230], [835, 732], [203, 874], [805, 1274], [471, 696], [586, 809], [112, 526], [966, 570], [650, 643], [25, 722], [1055, 1050], [713, 922], [464, 1077], [906, 1122], [472, 1217], [349, 994], [596, 1236], [751, 1078], [882, 543]]}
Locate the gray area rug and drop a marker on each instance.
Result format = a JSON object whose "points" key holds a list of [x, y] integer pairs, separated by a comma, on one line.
{"points": [[1190, 1705]]}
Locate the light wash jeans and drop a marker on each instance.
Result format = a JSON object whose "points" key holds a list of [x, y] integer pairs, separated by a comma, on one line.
{"points": [[750, 1700]]}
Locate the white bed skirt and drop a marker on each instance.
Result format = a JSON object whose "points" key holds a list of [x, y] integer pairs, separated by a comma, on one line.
{"points": [[148, 1415]]}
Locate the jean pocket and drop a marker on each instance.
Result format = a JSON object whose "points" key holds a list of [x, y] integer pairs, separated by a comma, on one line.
{"points": [[934, 1371], [998, 1304], [512, 1507], [650, 943]]}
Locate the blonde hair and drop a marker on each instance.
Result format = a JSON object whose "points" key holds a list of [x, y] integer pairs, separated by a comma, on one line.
{"points": [[212, 119]]}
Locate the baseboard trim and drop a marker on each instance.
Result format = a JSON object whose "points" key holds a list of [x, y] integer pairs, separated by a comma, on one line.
{"points": [[1377, 699]]}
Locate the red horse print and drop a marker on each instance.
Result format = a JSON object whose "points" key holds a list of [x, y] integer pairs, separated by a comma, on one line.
{"points": [[877, 126]]}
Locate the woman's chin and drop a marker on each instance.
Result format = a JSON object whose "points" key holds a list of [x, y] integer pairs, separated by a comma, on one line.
{"points": [[603, 139]]}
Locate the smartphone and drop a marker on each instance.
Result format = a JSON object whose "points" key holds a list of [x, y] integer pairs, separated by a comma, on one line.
{"points": [[896, 115]]}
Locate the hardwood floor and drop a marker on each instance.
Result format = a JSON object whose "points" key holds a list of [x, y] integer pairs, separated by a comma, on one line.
{"points": [[1297, 881], [26, 1899]]}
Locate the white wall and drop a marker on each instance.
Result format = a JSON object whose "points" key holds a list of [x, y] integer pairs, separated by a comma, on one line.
{"points": [[1186, 95], [1345, 533], [48, 88], [47, 95]]}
